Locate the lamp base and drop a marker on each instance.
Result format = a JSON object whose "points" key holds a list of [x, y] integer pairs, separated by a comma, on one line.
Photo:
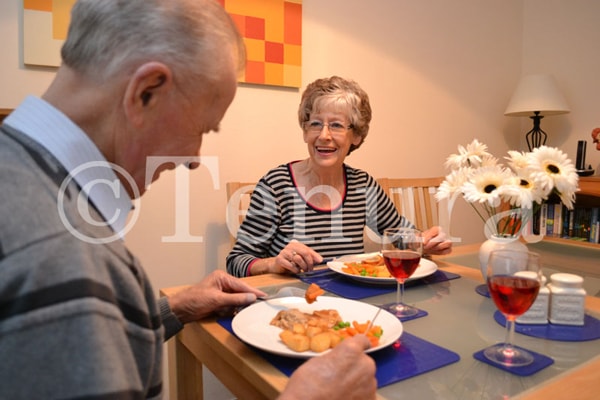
{"points": [[536, 137]]}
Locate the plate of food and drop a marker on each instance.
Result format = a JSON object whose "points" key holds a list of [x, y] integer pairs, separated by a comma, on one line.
{"points": [[370, 268], [263, 324]]}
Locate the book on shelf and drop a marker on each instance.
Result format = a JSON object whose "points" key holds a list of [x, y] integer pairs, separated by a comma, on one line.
{"points": [[571, 223], [595, 225], [580, 223], [558, 217], [549, 219], [535, 222], [543, 215]]}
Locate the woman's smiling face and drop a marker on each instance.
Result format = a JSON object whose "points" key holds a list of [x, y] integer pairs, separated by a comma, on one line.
{"points": [[329, 135]]}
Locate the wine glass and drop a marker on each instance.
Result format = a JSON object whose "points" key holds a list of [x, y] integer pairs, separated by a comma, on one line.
{"points": [[513, 279], [402, 249]]}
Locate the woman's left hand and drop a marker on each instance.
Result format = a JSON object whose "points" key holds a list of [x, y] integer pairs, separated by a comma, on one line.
{"points": [[435, 242]]}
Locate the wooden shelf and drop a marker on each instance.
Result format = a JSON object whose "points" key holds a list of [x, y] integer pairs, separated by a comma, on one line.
{"points": [[589, 185], [571, 242], [588, 196]]}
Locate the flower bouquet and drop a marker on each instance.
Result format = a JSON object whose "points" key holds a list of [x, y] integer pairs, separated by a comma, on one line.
{"points": [[506, 197]]}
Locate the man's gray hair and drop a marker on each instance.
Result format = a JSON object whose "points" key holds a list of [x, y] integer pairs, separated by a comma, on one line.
{"points": [[106, 37]]}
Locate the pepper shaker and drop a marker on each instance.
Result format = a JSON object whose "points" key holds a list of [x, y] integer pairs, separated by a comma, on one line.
{"points": [[538, 312], [567, 299]]}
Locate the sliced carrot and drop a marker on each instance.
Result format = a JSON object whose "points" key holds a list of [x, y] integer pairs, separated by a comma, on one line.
{"points": [[351, 331], [372, 267], [344, 333], [312, 293], [376, 331], [360, 328], [374, 340]]}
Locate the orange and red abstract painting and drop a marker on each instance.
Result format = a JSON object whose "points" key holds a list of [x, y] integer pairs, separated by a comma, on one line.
{"points": [[272, 31]]}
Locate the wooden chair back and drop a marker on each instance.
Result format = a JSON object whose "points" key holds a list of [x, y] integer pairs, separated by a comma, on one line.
{"points": [[414, 199], [238, 201]]}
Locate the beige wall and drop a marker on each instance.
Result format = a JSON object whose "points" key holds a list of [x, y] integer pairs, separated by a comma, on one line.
{"points": [[561, 37], [439, 74]]}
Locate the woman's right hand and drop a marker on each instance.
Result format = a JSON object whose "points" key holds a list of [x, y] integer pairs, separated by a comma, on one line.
{"points": [[296, 257]]}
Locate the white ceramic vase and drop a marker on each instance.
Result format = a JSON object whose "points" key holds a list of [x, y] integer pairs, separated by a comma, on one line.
{"points": [[497, 243]]}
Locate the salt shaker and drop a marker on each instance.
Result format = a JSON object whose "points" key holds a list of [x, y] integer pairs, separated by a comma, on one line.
{"points": [[538, 312], [567, 299]]}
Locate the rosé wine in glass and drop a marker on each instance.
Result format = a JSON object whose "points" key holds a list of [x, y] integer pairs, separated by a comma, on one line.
{"points": [[513, 291], [402, 249], [401, 264], [513, 295]]}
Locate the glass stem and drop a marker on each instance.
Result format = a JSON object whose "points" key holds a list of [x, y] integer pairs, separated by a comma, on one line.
{"points": [[400, 293], [510, 334]]}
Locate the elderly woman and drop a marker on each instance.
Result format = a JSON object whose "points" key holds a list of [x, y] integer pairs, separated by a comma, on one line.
{"points": [[305, 210]]}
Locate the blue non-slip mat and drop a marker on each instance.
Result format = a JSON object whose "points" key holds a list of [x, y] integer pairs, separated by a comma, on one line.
{"points": [[540, 362], [483, 290], [564, 333], [413, 356], [408, 357], [419, 314], [341, 285]]}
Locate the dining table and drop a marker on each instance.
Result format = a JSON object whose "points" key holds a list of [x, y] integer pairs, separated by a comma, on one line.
{"points": [[459, 323]]}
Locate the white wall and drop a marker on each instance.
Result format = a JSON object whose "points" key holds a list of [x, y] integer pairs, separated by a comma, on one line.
{"points": [[562, 37], [439, 73]]}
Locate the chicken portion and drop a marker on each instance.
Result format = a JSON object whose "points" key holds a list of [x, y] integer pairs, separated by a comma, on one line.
{"points": [[286, 319]]}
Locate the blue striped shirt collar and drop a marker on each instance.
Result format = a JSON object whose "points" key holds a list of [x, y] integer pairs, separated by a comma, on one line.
{"points": [[74, 150]]}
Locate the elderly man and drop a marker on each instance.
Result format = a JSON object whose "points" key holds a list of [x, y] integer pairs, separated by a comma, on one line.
{"points": [[78, 316]]}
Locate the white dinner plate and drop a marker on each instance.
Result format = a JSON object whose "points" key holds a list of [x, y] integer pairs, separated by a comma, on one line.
{"points": [[253, 324], [426, 267]]}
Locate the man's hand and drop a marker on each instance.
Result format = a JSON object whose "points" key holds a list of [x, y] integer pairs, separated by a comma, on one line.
{"points": [[216, 292], [345, 373]]}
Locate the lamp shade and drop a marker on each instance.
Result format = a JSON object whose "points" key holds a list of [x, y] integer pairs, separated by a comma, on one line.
{"points": [[538, 92]]}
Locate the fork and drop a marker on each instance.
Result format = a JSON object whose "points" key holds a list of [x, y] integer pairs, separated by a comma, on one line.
{"points": [[286, 291], [318, 271], [373, 320]]}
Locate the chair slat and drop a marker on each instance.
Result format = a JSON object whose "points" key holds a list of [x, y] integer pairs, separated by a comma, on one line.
{"points": [[414, 199]]}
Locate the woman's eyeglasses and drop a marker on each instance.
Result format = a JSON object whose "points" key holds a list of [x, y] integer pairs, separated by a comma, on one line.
{"points": [[334, 127]]}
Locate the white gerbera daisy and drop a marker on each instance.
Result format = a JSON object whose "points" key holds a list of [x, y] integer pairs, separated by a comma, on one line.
{"points": [[489, 161], [522, 192], [553, 170], [517, 160], [471, 156], [567, 198], [483, 184], [452, 184]]}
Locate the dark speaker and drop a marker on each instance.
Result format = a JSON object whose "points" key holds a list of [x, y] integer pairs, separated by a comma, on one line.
{"points": [[580, 161]]}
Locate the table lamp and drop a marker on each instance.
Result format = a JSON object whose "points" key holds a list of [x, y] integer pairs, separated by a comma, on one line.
{"points": [[536, 96]]}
